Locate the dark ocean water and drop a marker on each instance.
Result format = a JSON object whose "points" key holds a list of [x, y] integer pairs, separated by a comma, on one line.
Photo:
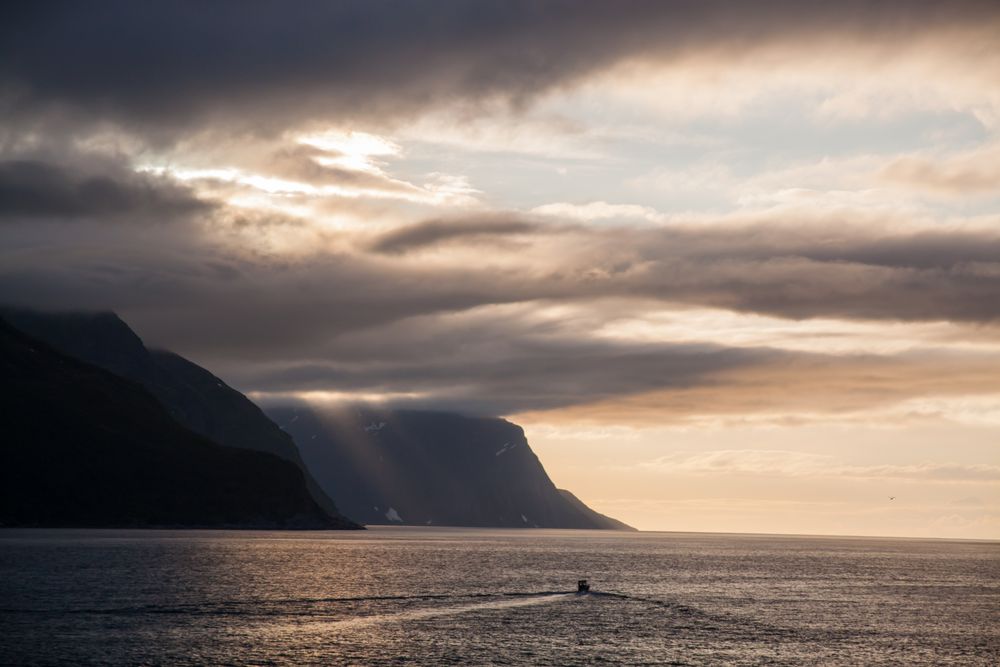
{"points": [[438, 596]]}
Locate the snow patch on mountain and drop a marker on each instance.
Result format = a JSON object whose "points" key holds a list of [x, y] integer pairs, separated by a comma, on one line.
{"points": [[506, 447]]}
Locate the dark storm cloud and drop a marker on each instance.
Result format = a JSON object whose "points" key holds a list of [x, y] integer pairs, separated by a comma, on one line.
{"points": [[262, 304], [786, 267], [510, 359], [819, 270], [258, 305], [34, 189], [436, 232], [661, 382], [178, 64], [534, 374], [478, 338]]}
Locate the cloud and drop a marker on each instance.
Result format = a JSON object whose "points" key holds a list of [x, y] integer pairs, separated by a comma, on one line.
{"points": [[36, 189], [501, 339], [599, 210], [144, 65], [430, 290], [440, 231], [504, 329], [975, 172], [792, 389], [537, 375], [787, 263], [512, 359], [323, 168]]}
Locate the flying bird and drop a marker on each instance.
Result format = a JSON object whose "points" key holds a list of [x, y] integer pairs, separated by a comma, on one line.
{"points": [[892, 497]]}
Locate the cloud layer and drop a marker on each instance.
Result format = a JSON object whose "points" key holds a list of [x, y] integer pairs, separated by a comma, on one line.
{"points": [[31, 189], [172, 65], [323, 239]]}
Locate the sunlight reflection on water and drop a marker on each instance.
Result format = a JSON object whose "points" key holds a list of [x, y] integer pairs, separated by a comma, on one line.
{"points": [[440, 596]]}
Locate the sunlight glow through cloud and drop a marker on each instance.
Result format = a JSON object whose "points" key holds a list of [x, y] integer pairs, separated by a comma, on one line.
{"points": [[352, 150]]}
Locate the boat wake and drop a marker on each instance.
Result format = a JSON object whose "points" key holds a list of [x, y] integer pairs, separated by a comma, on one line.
{"points": [[309, 606], [526, 600], [441, 604]]}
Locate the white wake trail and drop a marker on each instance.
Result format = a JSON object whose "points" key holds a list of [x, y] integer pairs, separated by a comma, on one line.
{"points": [[417, 614]]}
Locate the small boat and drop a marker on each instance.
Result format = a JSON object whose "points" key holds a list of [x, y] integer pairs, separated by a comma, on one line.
{"points": [[582, 586]]}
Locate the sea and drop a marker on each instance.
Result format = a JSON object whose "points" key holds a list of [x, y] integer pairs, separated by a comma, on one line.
{"points": [[434, 596]]}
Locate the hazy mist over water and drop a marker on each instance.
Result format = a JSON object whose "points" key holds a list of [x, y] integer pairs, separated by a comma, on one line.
{"points": [[463, 596]]}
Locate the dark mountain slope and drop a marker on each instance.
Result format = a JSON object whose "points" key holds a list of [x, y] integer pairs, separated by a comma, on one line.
{"points": [[84, 447], [192, 395], [431, 468]]}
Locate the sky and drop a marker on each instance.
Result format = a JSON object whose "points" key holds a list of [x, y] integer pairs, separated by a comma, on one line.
{"points": [[733, 266]]}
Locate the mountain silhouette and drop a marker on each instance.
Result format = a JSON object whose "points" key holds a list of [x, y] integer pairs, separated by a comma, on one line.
{"points": [[431, 468], [85, 447], [193, 396]]}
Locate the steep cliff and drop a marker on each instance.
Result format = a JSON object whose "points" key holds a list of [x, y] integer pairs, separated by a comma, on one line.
{"points": [[431, 468]]}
